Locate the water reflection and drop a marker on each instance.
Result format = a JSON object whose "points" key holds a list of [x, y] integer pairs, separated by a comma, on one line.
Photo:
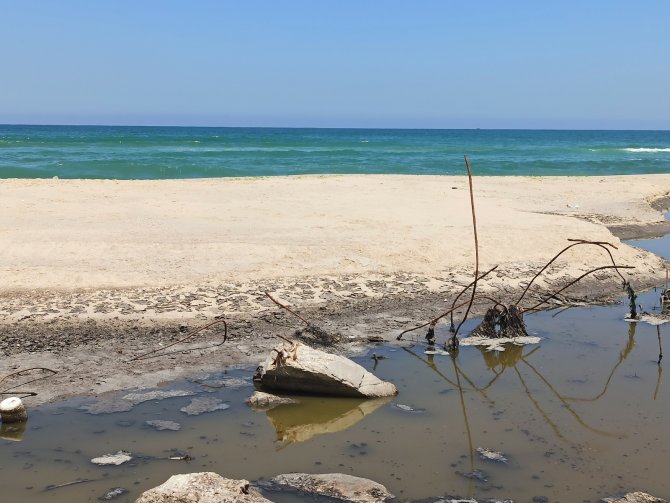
{"points": [[12, 431], [316, 416]]}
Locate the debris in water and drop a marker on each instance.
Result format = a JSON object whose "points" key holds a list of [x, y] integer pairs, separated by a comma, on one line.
{"points": [[112, 459], [51, 487], [180, 456], [475, 475], [499, 343], [433, 351], [114, 493], [406, 408], [137, 398], [204, 404], [161, 425], [489, 455]]}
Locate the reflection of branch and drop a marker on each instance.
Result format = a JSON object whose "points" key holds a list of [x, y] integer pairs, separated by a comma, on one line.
{"points": [[467, 424], [660, 357], [537, 406], [504, 367], [622, 356], [432, 366], [568, 407]]}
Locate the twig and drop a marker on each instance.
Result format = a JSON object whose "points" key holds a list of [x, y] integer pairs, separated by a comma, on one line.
{"points": [[431, 322], [66, 484], [287, 308], [12, 389], [465, 290], [151, 354]]}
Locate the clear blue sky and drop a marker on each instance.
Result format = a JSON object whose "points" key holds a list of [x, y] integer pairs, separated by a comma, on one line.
{"points": [[337, 63]]}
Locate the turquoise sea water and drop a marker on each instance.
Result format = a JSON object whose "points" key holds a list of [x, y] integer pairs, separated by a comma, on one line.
{"points": [[194, 152]]}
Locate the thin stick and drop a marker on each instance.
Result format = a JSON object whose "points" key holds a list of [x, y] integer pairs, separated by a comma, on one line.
{"points": [[431, 322], [151, 354], [534, 308], [576, 242], [66, 484], [474, 230], [465, 290], [19, 373], [286, 308]]}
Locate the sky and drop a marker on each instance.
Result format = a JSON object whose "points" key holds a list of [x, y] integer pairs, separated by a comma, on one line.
{"points": [[587, 64]]}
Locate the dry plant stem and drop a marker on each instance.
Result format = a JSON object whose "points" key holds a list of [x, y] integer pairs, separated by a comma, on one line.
{"points": [[431, 322], [152, 354], [453, 304], [474, 230], [577, 242], [545, 301], [19, 373], [287, 308]]}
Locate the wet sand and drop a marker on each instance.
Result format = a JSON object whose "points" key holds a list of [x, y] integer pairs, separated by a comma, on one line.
{"points": [[95, 272]]}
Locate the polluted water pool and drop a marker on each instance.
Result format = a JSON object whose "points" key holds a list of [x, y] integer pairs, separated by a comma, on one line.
{"points": [[580, 415]]}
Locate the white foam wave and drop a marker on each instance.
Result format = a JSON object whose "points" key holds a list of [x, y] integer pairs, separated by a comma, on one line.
{"points": [[647, 149]]}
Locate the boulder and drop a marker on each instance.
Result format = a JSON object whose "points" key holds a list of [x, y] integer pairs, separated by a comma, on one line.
{"points": [[302, 369], [203, 487], [335, 485], [636, 497]]}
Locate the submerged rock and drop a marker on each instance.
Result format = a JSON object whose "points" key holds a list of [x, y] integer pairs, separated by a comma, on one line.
{"points": [[204, 404], [636, 497], [336, 485], [266, 401], [203, 487], [113, 493], [489, 455], [112, 459], [161, 425], [307, 370]]}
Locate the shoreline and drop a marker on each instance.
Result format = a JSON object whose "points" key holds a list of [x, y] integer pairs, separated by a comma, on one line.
{"points": [[369, 255]]}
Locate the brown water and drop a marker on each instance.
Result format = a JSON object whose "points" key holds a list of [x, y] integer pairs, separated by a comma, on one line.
{"points": [[582, 415]]}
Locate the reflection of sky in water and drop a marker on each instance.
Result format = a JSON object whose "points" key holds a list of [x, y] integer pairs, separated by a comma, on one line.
{"points": [[581, 415], [659, 246]]}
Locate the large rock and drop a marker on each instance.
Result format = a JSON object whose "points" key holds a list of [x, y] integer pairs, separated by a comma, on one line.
{"points": [[301, 369], [636, 497], [204, 487], [336, 485]]}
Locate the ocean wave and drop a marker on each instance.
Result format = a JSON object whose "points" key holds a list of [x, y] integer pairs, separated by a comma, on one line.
{"points": [[647, 149]]}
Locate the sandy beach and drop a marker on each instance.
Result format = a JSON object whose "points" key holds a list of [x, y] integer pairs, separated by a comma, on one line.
{"points": [[96, 268]]}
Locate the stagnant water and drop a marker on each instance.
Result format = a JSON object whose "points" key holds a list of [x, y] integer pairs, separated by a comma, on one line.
{"points": [[581, 415]]}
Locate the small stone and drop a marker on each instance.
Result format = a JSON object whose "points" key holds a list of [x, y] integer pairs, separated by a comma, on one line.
{"points": [[266, 401], [114, 493], [489, 455], [336, 485]]}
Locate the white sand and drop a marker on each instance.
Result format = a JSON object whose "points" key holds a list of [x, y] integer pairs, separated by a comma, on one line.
{"points": [[72, 234]]}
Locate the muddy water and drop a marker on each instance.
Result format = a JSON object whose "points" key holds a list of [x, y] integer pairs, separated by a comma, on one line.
{"points": [[581, 415]]}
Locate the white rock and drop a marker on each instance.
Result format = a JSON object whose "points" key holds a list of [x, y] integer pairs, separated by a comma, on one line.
{"points": [[12, 410], [204, 487], [307, 370], [112, 459], [161, 425], [336, 485], [266, 401]]}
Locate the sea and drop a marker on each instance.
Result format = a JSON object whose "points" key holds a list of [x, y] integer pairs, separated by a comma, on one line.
{"points": [[129, 152]]}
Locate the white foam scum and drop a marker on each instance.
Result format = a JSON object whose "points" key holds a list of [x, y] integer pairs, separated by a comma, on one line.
{"points": [[499, 344]]}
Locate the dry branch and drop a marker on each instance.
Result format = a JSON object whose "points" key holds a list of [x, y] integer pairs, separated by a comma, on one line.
{"points": [[152, 353]]}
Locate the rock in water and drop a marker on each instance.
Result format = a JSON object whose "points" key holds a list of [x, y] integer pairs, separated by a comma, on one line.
{"points": [[636, 497], [302, 369], [204, 487], [112, 459], [267, 401], [336, 485], [12, 410]]}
